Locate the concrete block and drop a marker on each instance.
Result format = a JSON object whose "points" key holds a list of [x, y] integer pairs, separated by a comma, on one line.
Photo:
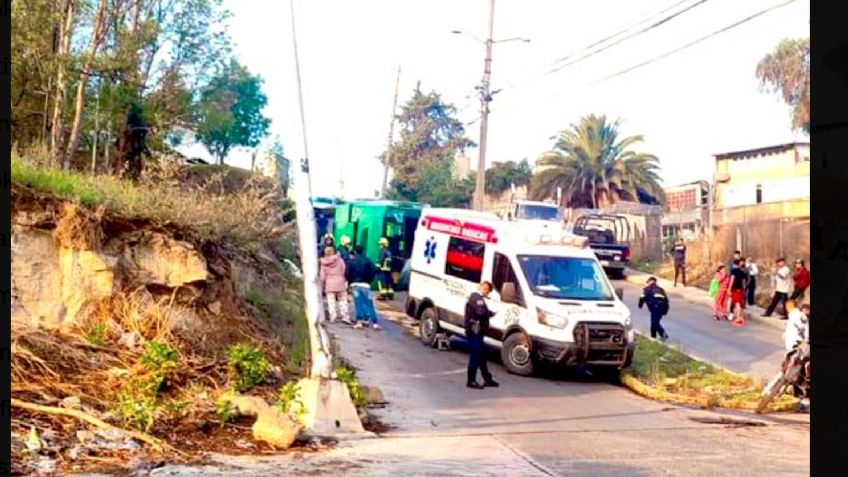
{"points": [[329, 409]]}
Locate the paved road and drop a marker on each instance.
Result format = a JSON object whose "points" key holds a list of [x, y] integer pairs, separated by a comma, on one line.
{"points": [[540, 426], [756, 349]]}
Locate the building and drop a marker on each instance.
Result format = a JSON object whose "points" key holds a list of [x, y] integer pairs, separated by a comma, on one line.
{"points": [[462, 167], [686, 209], [275, 166], [762, 184]]}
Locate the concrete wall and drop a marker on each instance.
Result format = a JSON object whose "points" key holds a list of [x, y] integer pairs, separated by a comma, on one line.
{"points": [[781, 176]]}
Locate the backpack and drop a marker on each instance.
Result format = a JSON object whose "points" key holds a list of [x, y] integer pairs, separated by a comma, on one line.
{"points": [[663, 304], [714, 288]]}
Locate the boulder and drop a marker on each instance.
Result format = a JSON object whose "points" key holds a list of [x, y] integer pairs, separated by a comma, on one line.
{"points": [[155, 259], [373, 395], [271, 425]]}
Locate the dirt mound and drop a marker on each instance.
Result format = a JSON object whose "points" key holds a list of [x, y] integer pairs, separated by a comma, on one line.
{"points": [[141, 328]]}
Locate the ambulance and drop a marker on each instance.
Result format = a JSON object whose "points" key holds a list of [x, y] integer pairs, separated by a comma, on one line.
{"points": [[553, 303]]}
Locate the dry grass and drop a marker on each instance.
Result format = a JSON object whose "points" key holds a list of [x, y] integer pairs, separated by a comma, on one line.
{"points": [[221, 206], [663, 373]]}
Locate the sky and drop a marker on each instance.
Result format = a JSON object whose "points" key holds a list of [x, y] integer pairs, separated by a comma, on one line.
{"points": [[688, 106]]}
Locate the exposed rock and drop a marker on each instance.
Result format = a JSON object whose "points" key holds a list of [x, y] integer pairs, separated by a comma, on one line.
{"points": [[271, 425], [215, 307], [71, 402], [275, 428], [373, 395], [160, 260]]}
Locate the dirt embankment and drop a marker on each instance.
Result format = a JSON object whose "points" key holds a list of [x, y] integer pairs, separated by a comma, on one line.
{"points": [[139, 327]]}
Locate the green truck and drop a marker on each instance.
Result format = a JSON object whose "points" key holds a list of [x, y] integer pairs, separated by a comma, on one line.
{"points": [[367, 221]]}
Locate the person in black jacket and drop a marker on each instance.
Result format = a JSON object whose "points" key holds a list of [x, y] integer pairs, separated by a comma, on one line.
{"points": [[655, 297], [360, 274], [477, 316]]}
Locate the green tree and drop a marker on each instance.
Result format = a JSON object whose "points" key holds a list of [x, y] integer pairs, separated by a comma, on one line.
{"points": [[501, 175], [786, 71], [438, 186], [595, 168], [230, 111], [430, 137]]}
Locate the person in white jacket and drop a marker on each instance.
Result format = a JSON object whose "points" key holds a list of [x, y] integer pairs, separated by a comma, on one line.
{"points": [[782, 286], [797, 331]]}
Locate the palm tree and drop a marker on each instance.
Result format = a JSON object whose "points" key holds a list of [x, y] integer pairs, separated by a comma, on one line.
{"points": [[594, 168]]}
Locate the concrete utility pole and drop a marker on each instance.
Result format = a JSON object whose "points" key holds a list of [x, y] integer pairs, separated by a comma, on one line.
{"points": [[319, 341], [485, 97], [391, 135]]}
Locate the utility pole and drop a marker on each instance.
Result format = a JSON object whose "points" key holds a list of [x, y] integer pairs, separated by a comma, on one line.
{"points": [[391, 135], [485, 97], [318, 339]]}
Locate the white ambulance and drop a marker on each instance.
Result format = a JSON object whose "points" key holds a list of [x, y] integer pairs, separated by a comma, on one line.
{"points": [[552, 299]]}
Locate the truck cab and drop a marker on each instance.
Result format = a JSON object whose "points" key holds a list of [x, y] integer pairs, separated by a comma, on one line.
{"points": [[551, 298]]}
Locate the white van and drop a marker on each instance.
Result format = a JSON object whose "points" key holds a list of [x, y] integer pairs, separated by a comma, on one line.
{"points": [[552, 299]]}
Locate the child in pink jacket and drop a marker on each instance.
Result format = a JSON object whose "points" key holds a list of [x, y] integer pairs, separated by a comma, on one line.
{"points": [[720, 304], [334, 284]]}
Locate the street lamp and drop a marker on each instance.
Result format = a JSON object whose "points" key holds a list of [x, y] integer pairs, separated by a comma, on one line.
{"points": [[485, 98]]}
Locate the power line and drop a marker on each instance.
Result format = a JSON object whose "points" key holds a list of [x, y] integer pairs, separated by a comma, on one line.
{"points": [[695, 42], [621, 32], [652, 26]]}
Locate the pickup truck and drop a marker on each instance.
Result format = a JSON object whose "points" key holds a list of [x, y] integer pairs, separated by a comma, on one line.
{"points": [[609, 238]]}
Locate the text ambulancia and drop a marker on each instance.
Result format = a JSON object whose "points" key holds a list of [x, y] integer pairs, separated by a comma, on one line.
{"points": [[552, 299]]}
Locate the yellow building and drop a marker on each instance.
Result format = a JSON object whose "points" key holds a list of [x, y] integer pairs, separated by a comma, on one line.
{"points": [[762, 184]]}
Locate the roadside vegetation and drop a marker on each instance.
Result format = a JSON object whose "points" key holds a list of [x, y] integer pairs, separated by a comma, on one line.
{"points": [[664, 373]]}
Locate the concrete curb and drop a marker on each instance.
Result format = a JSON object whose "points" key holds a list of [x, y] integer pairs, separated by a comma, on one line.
{"points": [[696, 295], [330, 412]]}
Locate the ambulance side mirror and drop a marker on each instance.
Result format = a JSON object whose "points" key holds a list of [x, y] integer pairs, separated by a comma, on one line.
{"points": [[508, 292], [620, 293]]}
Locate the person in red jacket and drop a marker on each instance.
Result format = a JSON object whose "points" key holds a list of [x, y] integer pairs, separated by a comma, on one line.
{"points": [[802, 280]]}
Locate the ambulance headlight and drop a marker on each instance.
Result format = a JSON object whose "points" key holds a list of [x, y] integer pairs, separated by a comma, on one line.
{"points": [[552, 320], [628, 323]]}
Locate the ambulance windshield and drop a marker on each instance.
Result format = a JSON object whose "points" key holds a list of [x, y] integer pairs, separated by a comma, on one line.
{"points": [[565, 278]]}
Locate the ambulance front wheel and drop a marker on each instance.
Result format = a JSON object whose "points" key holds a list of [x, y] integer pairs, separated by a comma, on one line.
{"points": [[516, 355], [428, 327]]}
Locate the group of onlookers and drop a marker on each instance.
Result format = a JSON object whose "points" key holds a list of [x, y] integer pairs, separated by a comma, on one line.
{"points": [[734, 286], [342, 269]]}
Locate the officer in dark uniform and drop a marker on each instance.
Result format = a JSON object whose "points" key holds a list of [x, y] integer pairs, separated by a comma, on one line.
{"points": [[384, 282], [657, 300], [477, 316]]}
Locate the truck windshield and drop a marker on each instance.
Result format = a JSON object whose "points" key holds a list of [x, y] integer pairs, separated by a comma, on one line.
{"points": [[566, 278], [538, 212]]}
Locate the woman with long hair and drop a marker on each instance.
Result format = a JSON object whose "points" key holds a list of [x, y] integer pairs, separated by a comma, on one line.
{"points": [[722, 293]]}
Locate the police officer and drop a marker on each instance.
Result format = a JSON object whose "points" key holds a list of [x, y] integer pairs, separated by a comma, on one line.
{"points": [[477, 316], [385, 269], [345, 249], [655, 297]]}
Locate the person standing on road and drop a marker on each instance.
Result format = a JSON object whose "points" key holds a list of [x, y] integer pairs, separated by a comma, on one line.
{"points": [[753, 271], [781, 288], [332, 279], [801, 278], [657, 300], [797, 331], [345, 249], [737, 255], [477, 316], [385, 267], [722, 280], [738, 286], [360, 274], [678, 252]]}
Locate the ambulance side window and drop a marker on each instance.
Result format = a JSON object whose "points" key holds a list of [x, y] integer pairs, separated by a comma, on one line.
{"points": [[465, 259], [502, 272]]}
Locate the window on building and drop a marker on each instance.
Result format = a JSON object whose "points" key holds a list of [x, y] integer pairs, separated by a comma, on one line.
{"points": [[465, 259], [759, 193]]}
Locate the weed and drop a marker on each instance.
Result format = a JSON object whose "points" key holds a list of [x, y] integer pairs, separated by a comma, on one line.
{"points": [[224, 408], [248, 366], [96, 334], [137, 412], [288, 401], [348, 377]]}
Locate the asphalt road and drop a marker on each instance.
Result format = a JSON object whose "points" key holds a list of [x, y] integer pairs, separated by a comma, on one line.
{"points": [[554, 425], [756, 349]]}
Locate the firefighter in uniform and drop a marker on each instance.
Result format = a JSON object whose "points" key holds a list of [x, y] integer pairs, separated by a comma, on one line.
{"points": [[385, 268]]}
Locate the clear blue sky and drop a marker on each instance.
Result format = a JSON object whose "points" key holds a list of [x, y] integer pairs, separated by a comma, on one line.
{"points": [[692, 104]]}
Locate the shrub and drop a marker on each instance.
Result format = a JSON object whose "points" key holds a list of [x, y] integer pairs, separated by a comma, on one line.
{"points": [[288, 401], [248, 366], [348, 377], [96, 334]]}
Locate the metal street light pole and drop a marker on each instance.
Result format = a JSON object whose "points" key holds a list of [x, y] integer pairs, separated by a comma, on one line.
{"points": [[484, 114]]}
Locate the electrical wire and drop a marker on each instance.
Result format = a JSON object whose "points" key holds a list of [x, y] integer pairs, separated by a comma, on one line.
{"points": [[695, 42]]}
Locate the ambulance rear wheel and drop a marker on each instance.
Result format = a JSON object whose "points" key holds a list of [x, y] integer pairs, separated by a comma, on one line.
{"points": [[428, 327], [516, 355]]}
